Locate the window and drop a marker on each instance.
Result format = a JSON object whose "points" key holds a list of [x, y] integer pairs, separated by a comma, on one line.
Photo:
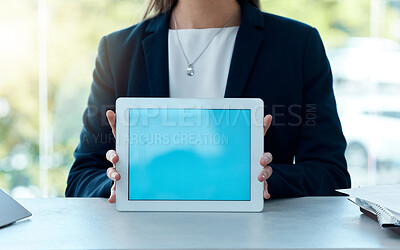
{"points": [[47, 54]]}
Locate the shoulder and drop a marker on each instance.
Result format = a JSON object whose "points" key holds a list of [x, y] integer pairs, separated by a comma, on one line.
{"points": [[287, 29], [281, 21], [285, 24], [126, 38], [290, 34]]}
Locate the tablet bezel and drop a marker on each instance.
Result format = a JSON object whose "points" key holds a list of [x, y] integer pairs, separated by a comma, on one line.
{"points": [[255, 105]]}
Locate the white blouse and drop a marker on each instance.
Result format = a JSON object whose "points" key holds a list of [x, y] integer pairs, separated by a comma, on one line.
{"points": [[210, 70]]}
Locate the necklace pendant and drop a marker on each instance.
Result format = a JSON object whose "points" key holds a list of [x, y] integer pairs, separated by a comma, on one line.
{"points": [[189, 70]]}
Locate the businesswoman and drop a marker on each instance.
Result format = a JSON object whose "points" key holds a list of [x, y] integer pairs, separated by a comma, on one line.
{"points": [[224, 48]]}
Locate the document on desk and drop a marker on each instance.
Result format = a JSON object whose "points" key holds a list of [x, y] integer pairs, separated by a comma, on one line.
{"points": [[383, 201]]}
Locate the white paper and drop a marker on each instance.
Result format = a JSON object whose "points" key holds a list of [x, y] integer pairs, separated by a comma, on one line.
{"points": [[387, 196]]}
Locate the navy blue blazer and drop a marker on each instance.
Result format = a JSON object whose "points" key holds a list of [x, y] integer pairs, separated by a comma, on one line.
{"points": [[279, 60]]}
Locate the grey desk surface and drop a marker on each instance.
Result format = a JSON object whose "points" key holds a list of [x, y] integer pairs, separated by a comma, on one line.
{"points": [[317, 222]]}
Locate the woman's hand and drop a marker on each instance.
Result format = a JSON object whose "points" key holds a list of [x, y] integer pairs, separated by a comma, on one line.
{"points": [[112, 156], [265, 160]]}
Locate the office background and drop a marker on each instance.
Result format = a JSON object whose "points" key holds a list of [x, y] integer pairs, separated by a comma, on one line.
{"points": [[47, 54]]}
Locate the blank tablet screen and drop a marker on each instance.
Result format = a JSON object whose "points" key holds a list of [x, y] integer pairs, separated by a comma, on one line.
{"points": [[189, 154]]}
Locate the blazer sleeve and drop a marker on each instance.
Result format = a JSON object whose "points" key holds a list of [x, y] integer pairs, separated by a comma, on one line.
{"points": [[320, 166], [87, 177]]}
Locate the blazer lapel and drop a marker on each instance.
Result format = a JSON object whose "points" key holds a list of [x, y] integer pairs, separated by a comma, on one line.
{"points": [[155, 47], [248, 42]]}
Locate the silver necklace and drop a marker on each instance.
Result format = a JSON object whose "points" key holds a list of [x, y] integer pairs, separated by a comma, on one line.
{"points": [[190, 70]]}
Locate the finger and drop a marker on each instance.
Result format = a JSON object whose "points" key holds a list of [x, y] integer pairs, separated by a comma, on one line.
{"points": [[113, 174], [266, 159], [112, 156], [267, 122], [111, 117], [266, 193], [112, 198], [265, 174]]}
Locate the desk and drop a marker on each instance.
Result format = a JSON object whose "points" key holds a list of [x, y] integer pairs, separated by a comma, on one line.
{"points": [[311, 222]]}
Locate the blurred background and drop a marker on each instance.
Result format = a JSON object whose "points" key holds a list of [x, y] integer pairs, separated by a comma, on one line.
{"points": [[47, 55]]}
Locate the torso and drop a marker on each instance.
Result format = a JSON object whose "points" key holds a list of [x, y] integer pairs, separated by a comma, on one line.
{"points": [[210, 70]]}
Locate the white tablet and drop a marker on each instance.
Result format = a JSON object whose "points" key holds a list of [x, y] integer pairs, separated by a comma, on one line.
{"points": [[189, 154]]}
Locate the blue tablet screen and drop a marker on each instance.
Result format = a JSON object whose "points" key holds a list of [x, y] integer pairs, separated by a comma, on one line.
{"points": [[189, 154]]}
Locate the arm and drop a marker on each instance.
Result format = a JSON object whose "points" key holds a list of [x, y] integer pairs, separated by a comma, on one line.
{"points": [[320, 166], [87, 176]]}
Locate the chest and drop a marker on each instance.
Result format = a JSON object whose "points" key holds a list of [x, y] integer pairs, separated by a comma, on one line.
{"points": [[199, 61]]}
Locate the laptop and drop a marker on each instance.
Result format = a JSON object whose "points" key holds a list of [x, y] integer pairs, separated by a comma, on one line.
{"points": [[10, 210]]}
